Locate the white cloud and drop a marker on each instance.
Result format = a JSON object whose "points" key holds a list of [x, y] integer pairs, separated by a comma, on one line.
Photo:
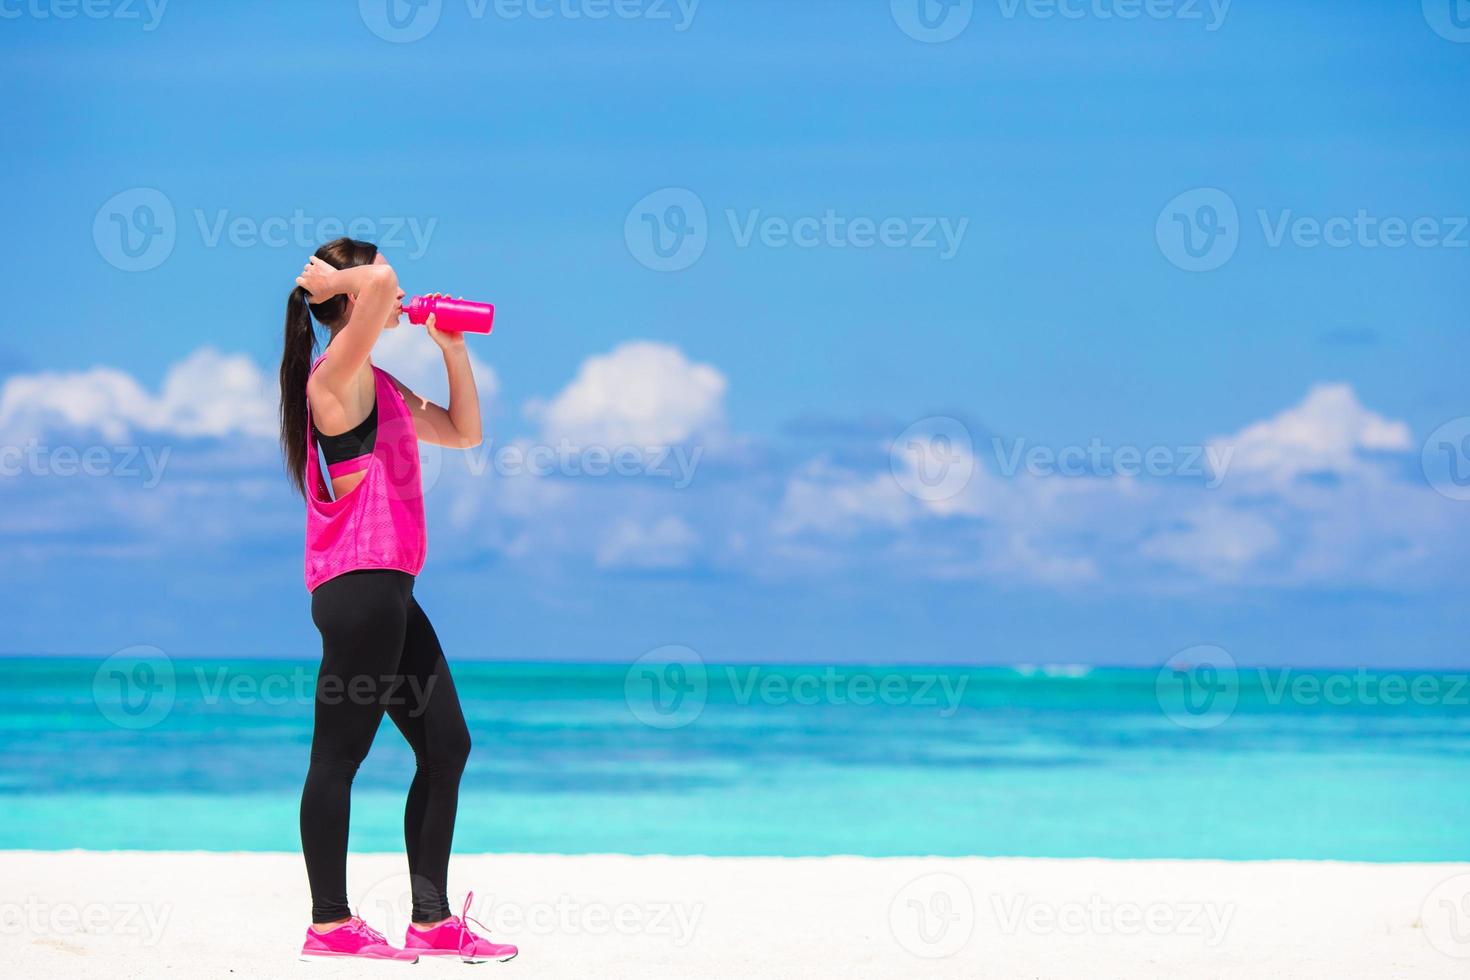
{"points": [[1130, 532], [828, 500], [1368, 527], [407, 353], [664, 544], [1020, 557], [1326, 432], [892, 513], [989, 528], [207, 394], [641, 393], [1217, 542], [939, 469], [214, 394]]}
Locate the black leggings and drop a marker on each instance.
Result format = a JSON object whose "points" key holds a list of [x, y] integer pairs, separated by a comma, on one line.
{"points": [[380, 654]]}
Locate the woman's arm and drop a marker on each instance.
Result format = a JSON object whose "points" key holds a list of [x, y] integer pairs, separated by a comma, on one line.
{"points": [[458, 426], [376, 289]]}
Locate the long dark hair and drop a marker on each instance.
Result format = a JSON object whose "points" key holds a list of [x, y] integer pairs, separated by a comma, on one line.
{"points": [[300, 350]]}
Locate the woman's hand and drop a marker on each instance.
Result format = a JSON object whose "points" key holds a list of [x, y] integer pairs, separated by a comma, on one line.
{"points": [[449, 341], [458, 425], [318, 279]]}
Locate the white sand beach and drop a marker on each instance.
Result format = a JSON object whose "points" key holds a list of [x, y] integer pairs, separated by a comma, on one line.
{"points": [[187, 915]]}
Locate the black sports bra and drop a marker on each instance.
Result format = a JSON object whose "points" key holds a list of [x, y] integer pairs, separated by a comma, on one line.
{"points": [[356, 441]]}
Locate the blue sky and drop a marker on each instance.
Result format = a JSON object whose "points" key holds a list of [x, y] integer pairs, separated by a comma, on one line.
{"points": [[513, 158]]}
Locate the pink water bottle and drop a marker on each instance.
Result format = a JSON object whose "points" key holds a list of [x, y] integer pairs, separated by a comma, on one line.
{"points": [[458, 315]]}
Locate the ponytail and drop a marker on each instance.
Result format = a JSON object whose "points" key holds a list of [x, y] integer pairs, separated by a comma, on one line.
{"points": [[298, 353], [299, 350]]}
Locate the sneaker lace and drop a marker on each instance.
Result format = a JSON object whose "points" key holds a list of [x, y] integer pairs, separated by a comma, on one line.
{"points": [[465, 936], [366, 931]]}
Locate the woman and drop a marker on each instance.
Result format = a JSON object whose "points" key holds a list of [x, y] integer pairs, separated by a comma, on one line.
{"points": [[365, 542]]}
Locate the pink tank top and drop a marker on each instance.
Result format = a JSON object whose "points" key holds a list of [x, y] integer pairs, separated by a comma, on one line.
{"points": [[380, 522]]}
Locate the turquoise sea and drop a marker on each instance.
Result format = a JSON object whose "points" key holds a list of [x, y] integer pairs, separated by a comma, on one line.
{"points": [[687, 758]]}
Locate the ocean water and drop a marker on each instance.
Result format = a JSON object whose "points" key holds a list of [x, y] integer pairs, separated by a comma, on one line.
{"points": [[679, 757]]}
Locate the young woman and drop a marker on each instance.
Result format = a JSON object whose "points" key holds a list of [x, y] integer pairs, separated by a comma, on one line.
{"points": [[365, 542]]}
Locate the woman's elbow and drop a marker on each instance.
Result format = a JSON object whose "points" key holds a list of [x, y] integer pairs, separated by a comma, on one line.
{"points": [[384, 276]]}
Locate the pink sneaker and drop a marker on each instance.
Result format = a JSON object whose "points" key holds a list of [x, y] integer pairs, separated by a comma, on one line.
{"points": [[354, 938], [453, 938]]}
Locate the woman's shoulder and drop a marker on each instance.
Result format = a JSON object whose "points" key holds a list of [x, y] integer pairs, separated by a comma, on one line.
{"points": [[324, 387]]}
